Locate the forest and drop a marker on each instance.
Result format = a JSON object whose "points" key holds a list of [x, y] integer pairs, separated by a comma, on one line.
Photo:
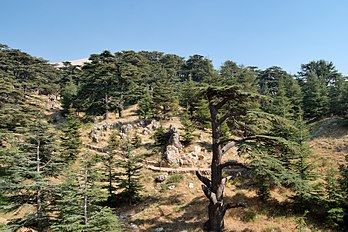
{"points": [[148, 141]]}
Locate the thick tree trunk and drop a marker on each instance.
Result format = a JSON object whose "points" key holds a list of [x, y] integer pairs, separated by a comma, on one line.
{"points": [[216, 205]]}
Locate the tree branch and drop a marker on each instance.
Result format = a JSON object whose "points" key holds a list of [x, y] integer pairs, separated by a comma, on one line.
{"points": [[224, 180], [254, 137], [224, 118], [228, 146], [232, 205], [209, 194], [222, 103], [233, 163], [203, 179]]}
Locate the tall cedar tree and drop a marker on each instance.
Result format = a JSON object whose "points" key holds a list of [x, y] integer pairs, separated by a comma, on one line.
{"points": [[165, 98], [260, 148], [110, 164], [315, 98], [146, 105], [318, 77], [31, 73]]}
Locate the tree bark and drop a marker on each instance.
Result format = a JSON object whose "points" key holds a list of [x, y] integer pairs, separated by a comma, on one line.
{"points": [[216, 204]]}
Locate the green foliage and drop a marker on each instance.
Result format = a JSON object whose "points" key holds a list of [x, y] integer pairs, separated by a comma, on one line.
{"points": [[173, 179], [301, 223], [30, 73], [161, 137], [189, 129], [146, 106], [248, 216], [165, 98], [80, 198], [129, 178], [333, 199], [71, 141], [176, 178], [35, 158], [69, 94]]}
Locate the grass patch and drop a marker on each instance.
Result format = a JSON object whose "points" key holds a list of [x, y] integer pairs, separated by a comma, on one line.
{"points": [[248, 216], [173, 179]]}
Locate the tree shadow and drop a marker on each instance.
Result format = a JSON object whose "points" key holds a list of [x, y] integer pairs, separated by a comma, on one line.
{"points": [[192, 215], [206, 145], [272, 208]]}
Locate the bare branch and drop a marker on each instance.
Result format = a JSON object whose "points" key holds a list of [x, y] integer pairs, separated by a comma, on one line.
{"points": [[209, 194], [204, 179], [254, 137], [233, 163], [224, 180], [228, 146], [232, 205]]}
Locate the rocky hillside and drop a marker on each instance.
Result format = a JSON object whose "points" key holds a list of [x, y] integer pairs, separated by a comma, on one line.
{"points": [[172, 197]]}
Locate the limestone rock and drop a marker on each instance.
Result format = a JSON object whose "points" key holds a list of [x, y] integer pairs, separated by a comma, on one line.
{"points": [[126, 128], [171, 154], [174, 139]]}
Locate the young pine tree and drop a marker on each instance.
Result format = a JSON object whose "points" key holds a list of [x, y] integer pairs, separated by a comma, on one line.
{"points": [[129, 180], [110, 164], [34, 161], [79, 206]]}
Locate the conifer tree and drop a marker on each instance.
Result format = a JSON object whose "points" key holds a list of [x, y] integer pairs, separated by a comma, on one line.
{"points": [[265, 151], [110, 164], [315, 98], [71, 141], [165, 98], [129, 179], [80, 197], [146, 105], [35, 159]]}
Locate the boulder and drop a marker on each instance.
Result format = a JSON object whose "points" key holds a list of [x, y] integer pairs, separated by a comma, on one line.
{"points": [[126, 128], [197, 150], [115, 125], [174, 139], [171, 154], [161, 178]]}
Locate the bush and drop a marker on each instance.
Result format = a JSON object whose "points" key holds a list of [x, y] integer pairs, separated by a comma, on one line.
{"points": [[248, 216]]}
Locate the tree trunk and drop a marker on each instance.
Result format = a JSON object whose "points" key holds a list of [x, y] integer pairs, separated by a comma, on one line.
{"points": [[38, 192], [106, 115], [110, 180], [215, 209], [85, 197]]}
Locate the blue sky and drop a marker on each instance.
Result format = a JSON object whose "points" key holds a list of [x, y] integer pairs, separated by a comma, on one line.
{"points": [[262, 33]]}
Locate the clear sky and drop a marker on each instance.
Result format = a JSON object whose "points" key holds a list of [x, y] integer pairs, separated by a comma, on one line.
{"points": [[262, 33]]}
